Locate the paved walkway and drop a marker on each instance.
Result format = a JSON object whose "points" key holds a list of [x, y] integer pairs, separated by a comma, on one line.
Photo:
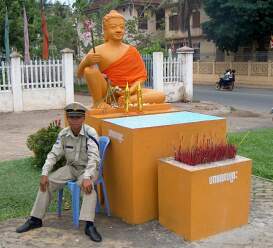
{"points": [[57, 232]]}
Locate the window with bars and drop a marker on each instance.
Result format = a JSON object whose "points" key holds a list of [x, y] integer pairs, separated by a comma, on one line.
{"points": [[196, 19], [160, 19], [173, 23], [142, 18]]}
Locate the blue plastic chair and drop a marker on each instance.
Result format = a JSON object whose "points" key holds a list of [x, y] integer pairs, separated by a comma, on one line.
{"points": [[76, 190]]}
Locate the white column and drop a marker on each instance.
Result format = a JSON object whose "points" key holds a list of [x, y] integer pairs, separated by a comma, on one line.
{"points": [[158, 71], [16, 82], [185, 54], [68, 74]]}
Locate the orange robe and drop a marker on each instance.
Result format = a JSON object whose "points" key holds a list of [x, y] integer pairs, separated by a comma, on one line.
{"points": [[129, 68]]}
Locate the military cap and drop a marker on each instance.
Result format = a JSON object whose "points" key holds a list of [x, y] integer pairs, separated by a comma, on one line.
{"points": [[75, 109]]}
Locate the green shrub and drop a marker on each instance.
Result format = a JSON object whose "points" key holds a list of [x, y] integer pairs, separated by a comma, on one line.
{"points": [[41, 143]]}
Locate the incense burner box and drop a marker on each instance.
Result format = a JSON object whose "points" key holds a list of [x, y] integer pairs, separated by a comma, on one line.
{"points": [[198, 201]]}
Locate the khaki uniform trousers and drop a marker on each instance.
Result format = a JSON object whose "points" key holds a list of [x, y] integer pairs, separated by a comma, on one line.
{"points": [[57, 181]]}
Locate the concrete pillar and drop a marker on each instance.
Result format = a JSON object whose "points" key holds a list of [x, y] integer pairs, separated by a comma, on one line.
{"points": [[68, 74], [185, 54], [16, 81], [158, 71]]}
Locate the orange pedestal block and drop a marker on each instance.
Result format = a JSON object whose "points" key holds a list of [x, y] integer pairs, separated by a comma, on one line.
{"points": [[198, 201], [136, 144]]}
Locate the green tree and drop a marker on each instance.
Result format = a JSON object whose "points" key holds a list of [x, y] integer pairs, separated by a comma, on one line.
{"points": [[60, 24], [15, 14], [235, 23]]}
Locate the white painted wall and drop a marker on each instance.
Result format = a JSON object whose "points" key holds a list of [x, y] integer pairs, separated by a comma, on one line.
{"points": [[6, 102], [174, 91], [43, 99]]}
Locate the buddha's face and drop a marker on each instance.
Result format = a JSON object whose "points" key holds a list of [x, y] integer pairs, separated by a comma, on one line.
{"points": [[115, 29]]}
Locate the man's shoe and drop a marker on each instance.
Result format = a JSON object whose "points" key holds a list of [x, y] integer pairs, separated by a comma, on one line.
{"points": [[92, 232], [31, 223]]}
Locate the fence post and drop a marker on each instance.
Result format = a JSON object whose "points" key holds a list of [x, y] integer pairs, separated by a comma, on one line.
{"points": [[16, 81], [186, 56], [269, 69], [248, 68], [68, 74], [158, 71]]}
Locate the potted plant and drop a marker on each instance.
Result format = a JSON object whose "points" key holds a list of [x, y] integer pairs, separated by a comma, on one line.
{"points": [[204, 189]]}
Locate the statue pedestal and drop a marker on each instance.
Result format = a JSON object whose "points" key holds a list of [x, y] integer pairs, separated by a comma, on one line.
{"points": [[137, 142], [94, 116]]}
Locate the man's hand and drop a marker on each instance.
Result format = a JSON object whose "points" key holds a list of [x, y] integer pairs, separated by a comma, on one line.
{"points": [[87, 186], [43, 183]]}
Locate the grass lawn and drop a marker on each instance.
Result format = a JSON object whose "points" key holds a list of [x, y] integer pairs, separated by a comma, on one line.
{"points": [[19, 183], [258, 146]]}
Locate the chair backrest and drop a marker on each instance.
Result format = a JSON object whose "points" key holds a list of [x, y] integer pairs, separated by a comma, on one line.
{"points": [[103, 144]]}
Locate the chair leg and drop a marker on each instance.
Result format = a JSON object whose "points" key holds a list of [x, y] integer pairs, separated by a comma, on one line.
{"points": [[76, 191], [106, 202], [98, 200], [60, 202]]}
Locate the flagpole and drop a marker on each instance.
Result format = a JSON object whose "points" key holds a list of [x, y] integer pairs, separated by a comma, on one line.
{"points": [[7, 48], [45, 33], [26, 39]]}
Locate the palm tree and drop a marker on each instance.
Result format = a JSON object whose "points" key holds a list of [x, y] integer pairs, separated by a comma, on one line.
{"points": [[185, 12]]}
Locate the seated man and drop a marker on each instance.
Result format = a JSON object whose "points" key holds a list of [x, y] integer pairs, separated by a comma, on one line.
{"points": [[120, 62], [79, 144]]}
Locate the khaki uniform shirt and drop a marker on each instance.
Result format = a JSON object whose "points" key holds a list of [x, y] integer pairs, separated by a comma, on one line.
{"points": [[81, 152]]}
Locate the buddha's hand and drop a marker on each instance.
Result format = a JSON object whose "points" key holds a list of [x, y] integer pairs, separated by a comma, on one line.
{"points": [[89, 59], [92, 59], [119, 91]]}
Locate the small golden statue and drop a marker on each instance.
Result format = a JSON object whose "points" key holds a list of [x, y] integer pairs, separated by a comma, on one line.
{"points": [[127, 98], [139, 98]]}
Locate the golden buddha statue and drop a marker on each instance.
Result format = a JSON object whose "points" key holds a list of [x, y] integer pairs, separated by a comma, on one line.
{"points": [[121, 63]]}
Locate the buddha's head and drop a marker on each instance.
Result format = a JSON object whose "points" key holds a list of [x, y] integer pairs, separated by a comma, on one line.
{"points": [[113, 26]]}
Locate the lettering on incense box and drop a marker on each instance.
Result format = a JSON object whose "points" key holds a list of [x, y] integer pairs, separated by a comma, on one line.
{"points": [[225, 177]]}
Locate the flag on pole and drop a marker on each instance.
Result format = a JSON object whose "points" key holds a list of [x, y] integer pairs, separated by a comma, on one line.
{"points": [[45, 36], [7, 50], [26, 38]]}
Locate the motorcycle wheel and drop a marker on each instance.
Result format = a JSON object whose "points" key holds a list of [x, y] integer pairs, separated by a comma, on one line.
{"points": [[217, 86]]}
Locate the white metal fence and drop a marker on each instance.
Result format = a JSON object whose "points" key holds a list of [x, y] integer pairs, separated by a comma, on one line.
{"points": [[41, 74], [38, 85], [5, 84], [148, 60], [172, 69], [50, 84]]}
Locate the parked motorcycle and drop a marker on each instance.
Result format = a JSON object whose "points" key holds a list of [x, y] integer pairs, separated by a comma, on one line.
{"points": [[227, 81]]}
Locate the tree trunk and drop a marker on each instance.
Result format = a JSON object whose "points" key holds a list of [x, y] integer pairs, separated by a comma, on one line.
{"points": [[189, 32]]}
